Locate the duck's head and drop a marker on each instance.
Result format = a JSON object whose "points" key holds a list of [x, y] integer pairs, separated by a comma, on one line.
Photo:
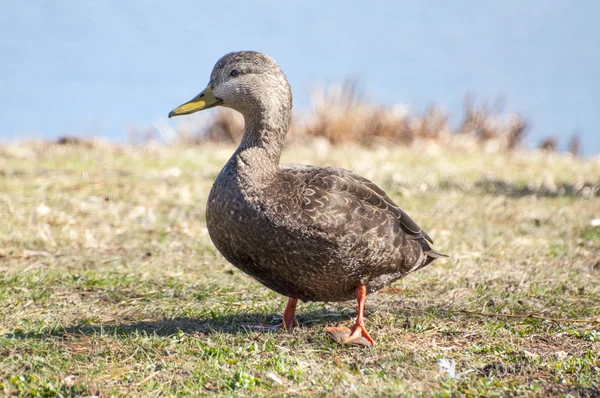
{"points": [[248, 82]]}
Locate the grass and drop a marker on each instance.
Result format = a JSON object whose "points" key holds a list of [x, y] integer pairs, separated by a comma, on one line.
{"points": [[110, 285]]}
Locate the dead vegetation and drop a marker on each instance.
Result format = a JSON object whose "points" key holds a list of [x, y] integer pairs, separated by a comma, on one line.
{"points": [[340, 114]]}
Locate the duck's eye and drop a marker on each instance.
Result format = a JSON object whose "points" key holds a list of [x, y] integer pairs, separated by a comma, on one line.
{"points": [[235, 72]]}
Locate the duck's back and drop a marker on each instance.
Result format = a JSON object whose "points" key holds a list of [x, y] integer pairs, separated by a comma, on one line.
{"points": [[314, 233]]}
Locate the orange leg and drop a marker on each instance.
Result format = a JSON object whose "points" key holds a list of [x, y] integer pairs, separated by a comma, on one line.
{"points": [[288, 323], [357, 334]]}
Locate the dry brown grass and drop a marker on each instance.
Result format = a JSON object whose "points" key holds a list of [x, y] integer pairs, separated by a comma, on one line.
{"points": [[340, 115]]}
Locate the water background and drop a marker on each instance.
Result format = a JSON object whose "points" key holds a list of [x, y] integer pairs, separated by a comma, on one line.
{"points": [[100, 68]]}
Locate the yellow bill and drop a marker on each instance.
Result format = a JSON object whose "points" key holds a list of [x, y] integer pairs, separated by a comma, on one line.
{"points": [[204, 100]]}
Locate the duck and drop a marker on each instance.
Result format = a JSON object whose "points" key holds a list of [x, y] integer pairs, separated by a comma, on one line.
{"points": [[309, 233]]}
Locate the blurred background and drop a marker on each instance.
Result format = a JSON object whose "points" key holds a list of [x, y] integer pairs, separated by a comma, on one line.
{"points": [[112, 68]]}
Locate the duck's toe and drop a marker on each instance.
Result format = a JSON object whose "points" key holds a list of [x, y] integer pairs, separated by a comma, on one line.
{"points": [[359, 333], [348, 336]]}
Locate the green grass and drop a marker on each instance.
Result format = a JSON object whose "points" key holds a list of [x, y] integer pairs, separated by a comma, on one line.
{"points": [[109, 283]]}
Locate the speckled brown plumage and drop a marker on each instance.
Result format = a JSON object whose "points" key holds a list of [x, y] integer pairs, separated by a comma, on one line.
{"points": [[312, 233]]}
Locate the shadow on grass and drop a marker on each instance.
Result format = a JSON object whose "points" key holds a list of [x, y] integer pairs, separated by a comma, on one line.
{"points": [[230, 324]]}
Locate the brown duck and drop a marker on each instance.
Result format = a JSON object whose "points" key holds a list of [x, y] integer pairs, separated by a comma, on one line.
{"points": [[308, 233]]}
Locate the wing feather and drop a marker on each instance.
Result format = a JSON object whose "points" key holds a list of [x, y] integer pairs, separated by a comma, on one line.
{"points": [[343, 190]]}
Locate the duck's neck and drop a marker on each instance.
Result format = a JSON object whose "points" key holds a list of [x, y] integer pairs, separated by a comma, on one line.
{"points": [[264, 137]]}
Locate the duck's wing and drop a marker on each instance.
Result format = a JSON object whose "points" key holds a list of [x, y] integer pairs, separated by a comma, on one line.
{"points": [[370, 189], [333, 197]]}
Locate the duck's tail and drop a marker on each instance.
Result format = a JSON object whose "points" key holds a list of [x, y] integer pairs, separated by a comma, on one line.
{"points": [[430, 256], [433, 254]]}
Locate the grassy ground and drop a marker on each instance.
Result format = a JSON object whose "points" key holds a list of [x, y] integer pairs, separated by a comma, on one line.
{"points": [[110, 285]]}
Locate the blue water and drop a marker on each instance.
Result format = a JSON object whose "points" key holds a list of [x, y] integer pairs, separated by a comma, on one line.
{"points": [[70, 67]]}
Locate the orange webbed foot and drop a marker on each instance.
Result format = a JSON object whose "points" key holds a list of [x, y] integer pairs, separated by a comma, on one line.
{"points": [[357, 335], [339, 334]]}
